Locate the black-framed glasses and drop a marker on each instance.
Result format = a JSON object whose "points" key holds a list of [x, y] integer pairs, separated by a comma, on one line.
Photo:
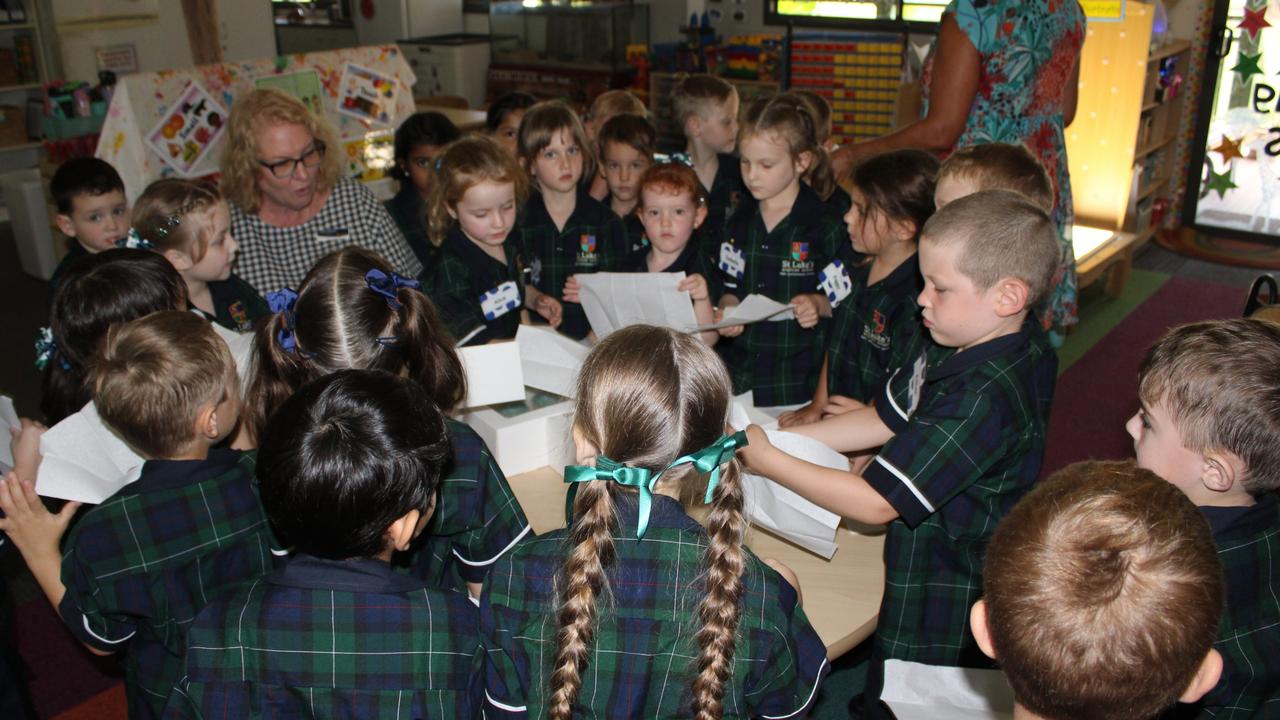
{"points": [[287, 167]]}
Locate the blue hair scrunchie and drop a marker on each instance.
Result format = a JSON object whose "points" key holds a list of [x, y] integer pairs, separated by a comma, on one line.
{"points": [[387, 284], [281, 303], [47, 349]]}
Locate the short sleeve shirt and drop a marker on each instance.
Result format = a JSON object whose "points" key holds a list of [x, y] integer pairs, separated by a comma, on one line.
{"points": [[139, 566], [969, 434], [727, 193], [780, 361], [872, 328], [468, 287], [333, 638], [593, 240], [275, 257], [237, 306], [642, 660]]}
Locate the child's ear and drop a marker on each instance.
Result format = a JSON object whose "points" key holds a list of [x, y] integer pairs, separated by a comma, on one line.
{"points": [[65, 226], [699, 216], [981, 631], [1011, 295], [1206, 677], [584, 450], [902, 230], [207, 421], [179, 260], [403, 530], [1222, 469], [453, 213], [693, 126], [804, 161]]}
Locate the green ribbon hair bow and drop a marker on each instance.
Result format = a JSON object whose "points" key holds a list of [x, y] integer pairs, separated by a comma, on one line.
{"points": [[706, 460]]}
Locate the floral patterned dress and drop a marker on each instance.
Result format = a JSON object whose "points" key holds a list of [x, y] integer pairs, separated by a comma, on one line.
{"points": [[1027, 49]]}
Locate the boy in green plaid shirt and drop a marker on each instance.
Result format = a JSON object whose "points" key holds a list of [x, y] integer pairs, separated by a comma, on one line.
{"points": [[961, 428], [135, 569], [350, 467], [1209, 424]]}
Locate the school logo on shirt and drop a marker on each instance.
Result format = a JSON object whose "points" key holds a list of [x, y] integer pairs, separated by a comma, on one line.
{"points": [[873, 332], [587, 243], [587, 250], [799, 251], [799, 264], [239, 316]]}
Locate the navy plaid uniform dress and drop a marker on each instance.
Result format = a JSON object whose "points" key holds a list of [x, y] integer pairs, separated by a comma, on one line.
{"points": [[138, 567], [874, 330], [969, 439], [726, 194], [274, 257], [780, 361], [1248, 540], [409, 211], [593, 240], [631, 223], [477, 517], [462, 275], [237, 306], [333, 639], [839, 201], [689, 262], [641, 665]]}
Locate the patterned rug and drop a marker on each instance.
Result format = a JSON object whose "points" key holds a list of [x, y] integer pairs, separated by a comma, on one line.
{"points": [[1228, 251]]}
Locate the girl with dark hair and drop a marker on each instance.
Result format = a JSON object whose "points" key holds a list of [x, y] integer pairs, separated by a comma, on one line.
{"points": [[354, 312], [98, 291], [636, 610], [350, 467], [419, 142]]}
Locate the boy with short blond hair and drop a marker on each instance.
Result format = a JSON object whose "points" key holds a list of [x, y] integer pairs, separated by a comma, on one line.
{"points": [[1209, 424], [136, 568], [960, 427], [994, 166], [1102, 595], [706, 108]]}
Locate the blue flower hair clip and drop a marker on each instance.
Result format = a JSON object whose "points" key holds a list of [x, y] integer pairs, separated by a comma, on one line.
{"points": [[281, 303], [47, 349], [388, 284], [134, 241]]}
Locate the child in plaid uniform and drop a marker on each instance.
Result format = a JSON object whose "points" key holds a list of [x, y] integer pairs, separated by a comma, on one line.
{"points": [[189, 223], [419, 141], [92, 210], [961, 425], [1101, 596], [876, 324], [478, 283], [824, 183], [354, 312], [626, 146], [136, 569], [707, 109], [778, 247], [636, 610], [1210, 424], [564, 231], [350, 466]]}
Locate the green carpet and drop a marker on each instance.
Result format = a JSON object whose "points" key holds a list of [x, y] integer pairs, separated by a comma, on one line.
{"points": [[1100, 313]]}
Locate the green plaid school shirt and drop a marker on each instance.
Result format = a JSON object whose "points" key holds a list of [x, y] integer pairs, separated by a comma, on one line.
{"points": [[1248, 541], [642, 661], [333, 638], [462, 274], [138, 567], [780, 361], [593, 240], [477, 517], [236, 304], [873, 330], [727, 193], [969, 434]]}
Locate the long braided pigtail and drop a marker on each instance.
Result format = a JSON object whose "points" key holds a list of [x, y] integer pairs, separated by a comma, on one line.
{"points": [[583, 583], [720, 608]]}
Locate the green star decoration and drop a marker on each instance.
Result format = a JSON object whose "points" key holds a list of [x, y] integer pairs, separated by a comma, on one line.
{"points": [[1220, 182], [1248, 65]]}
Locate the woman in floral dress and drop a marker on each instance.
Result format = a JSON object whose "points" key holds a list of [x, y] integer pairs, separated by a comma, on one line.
{"points": [[1003, 71]]}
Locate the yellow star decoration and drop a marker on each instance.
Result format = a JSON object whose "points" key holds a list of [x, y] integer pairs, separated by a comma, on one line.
{"points": [[1229, 148]]}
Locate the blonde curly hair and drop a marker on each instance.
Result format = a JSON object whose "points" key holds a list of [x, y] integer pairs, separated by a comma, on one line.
{"points": [[250, 114]]}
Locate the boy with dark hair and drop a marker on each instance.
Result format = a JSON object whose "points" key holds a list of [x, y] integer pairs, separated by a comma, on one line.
{"points": [[92, 209], [1209, 424], [994, 166], [350, 468], [961, 427], [1102, 595], [136, 568], [626, 144]]}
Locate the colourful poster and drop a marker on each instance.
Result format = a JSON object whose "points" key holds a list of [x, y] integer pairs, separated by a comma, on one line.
{"points": [[370, 157], [188, 129], [1103, 10], [367, 95], [304, 85]]}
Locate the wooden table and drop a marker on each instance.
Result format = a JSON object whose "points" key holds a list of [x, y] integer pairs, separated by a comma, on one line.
{"points": [[464, 120], [841, 595]]}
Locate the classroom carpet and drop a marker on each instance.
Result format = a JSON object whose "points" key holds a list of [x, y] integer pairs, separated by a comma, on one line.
{"points": [[1222, 250]]}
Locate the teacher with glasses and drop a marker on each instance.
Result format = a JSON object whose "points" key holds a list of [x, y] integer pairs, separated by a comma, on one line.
{"points": [[290, 205]]}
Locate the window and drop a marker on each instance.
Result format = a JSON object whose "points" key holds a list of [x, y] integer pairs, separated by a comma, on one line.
{"points": [[857, 14]]}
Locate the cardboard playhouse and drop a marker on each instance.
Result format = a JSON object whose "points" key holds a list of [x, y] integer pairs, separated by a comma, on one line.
{"points": [[173, 123]]}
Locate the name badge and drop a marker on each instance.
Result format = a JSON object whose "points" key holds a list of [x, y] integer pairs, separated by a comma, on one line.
{"points": [[732, 261], [341, 235], [500, 300], [834, 282]]}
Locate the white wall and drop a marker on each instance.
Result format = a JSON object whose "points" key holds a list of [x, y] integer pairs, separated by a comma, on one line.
{"points": [[161, 46]]}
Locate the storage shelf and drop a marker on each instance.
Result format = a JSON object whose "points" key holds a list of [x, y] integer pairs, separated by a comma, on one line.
{"points": [[23, 146], [19, 88], [17, 26], [1148, 149], [1150, 189], [1169, 50], [1150, 106]]}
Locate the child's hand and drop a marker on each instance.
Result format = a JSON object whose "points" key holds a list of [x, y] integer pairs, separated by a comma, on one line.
{"points": [[800, 416], [732, 330], [840, 404], [572, 288], [550, 309], [33, 529], [757, 448], [806, 309], [696, 285], [25, 446]]}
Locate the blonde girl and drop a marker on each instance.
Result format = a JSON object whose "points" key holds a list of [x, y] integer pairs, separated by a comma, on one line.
{"points": [[353, 312], [478, 282], [778, 246], [635, 610], [190, 224], [564, 231]]}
